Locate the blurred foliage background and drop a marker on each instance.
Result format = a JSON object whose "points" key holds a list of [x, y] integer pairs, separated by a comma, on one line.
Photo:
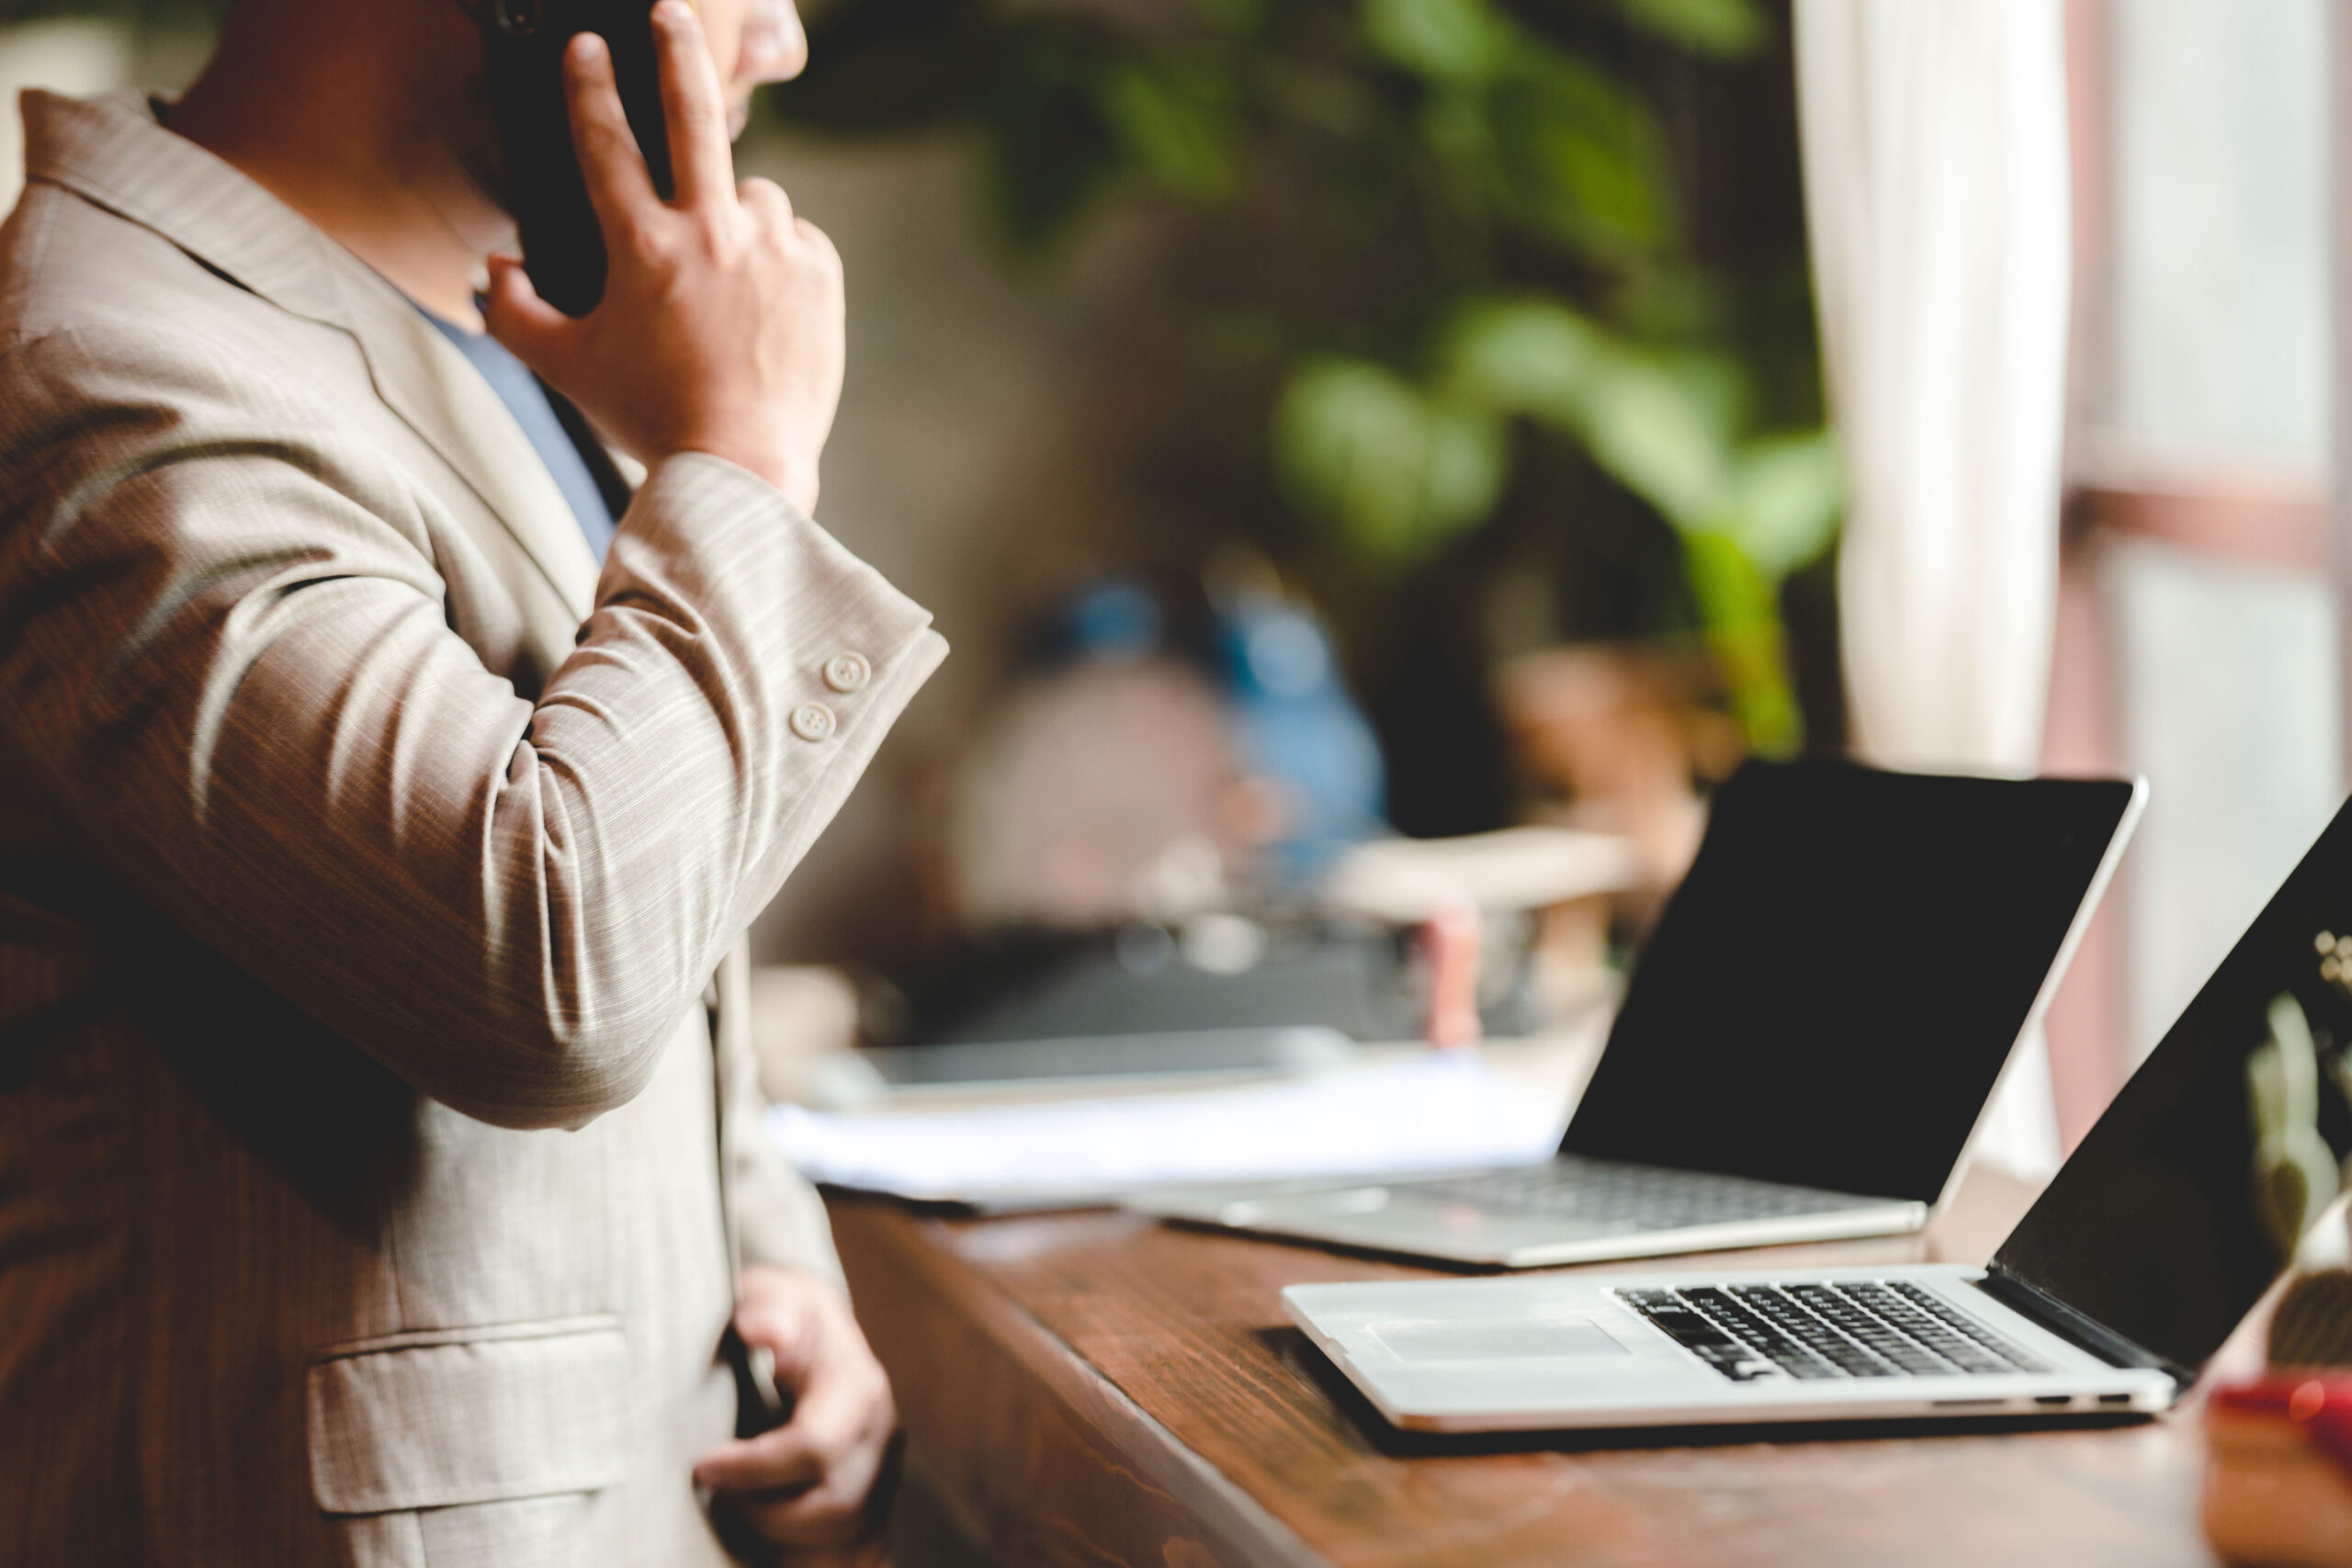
{"points": [[1459, 278], [1486, 321]]}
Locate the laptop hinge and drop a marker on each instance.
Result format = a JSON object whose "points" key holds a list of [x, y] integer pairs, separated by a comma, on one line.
{"points": [[2084, 1332]]}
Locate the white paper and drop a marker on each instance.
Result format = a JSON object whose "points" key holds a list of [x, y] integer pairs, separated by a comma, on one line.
{"points": [[1433, 1113]]}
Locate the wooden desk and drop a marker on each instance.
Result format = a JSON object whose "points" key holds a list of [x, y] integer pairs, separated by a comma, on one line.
{"points": [[1091, 1388]]}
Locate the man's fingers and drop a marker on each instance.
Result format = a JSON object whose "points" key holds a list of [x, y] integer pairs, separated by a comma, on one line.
{"points": [[784, 1460], [765, 200], [695, 107], [849, 1505], [834, 1511], [620, 187], [831, 1428], [830, 1515], [532, 329], [822, 1480]]}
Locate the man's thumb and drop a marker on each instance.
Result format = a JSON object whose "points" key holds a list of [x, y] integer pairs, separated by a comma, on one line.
{"points": [[532, 329]]}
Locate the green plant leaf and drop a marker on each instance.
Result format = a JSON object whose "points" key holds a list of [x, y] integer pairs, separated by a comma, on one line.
{"points": [[1468, 464], [1173, 126], [1045, 170], [1726, 28], [1237, 18], [1786, 495], [1532, 358], [1650, 431], [1053, 151], [1398, 470], [1662, 424], [1742, 615], [1716, 385], [1338, 103], [1447, 40], [1576, 157]]}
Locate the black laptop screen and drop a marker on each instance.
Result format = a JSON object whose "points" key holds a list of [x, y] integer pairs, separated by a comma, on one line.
{"points": [[2166, 1225], [1831, 993]]}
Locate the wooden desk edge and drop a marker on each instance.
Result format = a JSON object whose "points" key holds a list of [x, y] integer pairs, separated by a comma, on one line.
{"points": [[1099, 1475]]}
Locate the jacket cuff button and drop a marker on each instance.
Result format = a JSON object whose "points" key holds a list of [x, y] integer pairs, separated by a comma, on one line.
{"points": [[848, 672]]}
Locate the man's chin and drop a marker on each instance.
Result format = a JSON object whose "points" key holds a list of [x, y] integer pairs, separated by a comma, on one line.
{"points": [[487, 175]]}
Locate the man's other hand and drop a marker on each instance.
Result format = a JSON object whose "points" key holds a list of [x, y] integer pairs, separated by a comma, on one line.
{"points": [[721, 330], [810, 1486]]}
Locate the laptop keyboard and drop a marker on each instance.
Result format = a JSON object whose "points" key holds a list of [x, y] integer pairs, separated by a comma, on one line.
{"points": [[1632, 1197], [1821, 1330]]}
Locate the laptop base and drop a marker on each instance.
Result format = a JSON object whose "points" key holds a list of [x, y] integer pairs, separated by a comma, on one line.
{"points": [[1435, 1218], [1564, 1352]]}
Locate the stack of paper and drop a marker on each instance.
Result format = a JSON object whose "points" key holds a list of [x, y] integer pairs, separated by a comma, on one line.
{"points": [[1433, 1112]]}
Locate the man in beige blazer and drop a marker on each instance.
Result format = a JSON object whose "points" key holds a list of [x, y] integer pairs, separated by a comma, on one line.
{"points": [[374, 1186]]}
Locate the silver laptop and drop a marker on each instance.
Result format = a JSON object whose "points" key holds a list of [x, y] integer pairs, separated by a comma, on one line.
{"points": [[1807, 1043], [2148, 1248]]}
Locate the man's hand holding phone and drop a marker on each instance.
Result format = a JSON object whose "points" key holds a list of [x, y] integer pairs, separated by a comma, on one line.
{"points": [[721, 330]]}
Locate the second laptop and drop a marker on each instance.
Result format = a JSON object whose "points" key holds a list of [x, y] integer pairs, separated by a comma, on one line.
{"points": [[1807, 1041]]}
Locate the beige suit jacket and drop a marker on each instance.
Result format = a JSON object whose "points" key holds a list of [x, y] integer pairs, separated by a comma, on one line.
{"points": [[370, 1189]]}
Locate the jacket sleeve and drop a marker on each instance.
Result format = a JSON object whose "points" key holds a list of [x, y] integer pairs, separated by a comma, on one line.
{"points": [[775, 1216], [226, 656]]}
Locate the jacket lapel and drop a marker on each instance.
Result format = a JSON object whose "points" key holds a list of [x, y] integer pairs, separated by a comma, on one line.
{"points": [[112, 152], [422, 377]]}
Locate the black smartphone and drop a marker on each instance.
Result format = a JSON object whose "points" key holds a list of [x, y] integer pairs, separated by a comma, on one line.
{"points": [[563, 249]]}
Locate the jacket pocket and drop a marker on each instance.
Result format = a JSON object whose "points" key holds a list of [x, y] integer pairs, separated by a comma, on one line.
{"points": [[470, 1416]]}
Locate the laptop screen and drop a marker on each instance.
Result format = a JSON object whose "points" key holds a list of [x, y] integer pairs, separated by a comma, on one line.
{"points": [[1830, 994], [2172, 1218]]}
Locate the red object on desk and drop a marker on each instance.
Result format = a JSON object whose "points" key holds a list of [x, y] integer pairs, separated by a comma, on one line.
{"points": [[1450, 941], [2278, 1470]]}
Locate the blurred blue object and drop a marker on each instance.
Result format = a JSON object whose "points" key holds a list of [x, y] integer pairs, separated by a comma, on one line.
{"points": [[1294, 723], [1111, 621]]}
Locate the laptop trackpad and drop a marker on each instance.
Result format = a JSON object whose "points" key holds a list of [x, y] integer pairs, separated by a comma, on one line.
{"points": [[1515, 1341]]}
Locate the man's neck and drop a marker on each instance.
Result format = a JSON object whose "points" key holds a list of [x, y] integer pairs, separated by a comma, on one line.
{"points": [[338, 113]]}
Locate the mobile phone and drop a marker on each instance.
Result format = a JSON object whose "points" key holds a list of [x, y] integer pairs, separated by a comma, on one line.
{"points": [[563, 249]]}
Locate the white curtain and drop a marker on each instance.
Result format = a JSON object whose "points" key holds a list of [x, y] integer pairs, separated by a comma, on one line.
{"points": [[1937, 198]]}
